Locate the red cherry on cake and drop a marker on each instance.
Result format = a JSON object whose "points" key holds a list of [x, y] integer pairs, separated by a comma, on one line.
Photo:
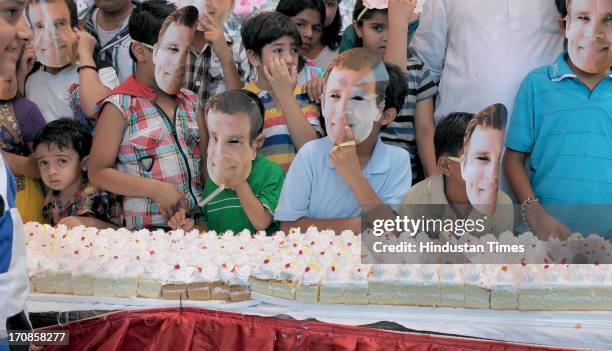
{"points": [[200, 269], [82, 238], [333, 268], [294, 245], [322, 253], [116, 257], [177, 266], [224, 265], [138, 258], [307, 269], [76, 252], [152, 252], [300, 252], [288, 265], [233, 269], [266, 261]]}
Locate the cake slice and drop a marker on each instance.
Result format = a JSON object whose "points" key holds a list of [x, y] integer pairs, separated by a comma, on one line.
{"points": [[83, 284], [504, 286], [219, 291], [452, 286], [477, 294], [332, 287], [574, 289], [382, 284], [427, 292], [356, 289], [149, 288], [174, 291], [534, 290]]}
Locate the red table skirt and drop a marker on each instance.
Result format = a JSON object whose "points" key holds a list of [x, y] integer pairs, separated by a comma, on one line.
{"points": [[200, 329]]}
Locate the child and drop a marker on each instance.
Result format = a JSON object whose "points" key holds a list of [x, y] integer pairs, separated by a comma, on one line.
{"points": [[54, 87], [234, 121], [560, 119], [20, 120], [217, 61], [335, 180], [147, 144], [290, 120], [445, 196], [384, 31], [62, 149], [309, 17], [326, 49]]}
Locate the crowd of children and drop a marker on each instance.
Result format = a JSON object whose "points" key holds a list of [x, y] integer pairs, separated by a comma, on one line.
{"points": [[150, 115]]}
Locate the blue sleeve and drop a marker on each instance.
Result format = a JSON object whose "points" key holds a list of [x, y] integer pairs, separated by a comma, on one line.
{"points": [[294, 199], [398, 182], [7, 201], [521, 128]]}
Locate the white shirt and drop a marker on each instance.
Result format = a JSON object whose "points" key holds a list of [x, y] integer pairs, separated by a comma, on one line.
{"points": [[325, 57], [480, 50], [51, 92]]}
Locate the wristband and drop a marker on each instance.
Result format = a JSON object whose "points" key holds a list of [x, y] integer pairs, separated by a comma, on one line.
{"points": [[86, 67], [526, 206]]}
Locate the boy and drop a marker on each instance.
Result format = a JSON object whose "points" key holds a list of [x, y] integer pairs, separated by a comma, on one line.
{"points": [[234, 121], [62, 149], [54, 87], [272, 41], [335, 180], [561, 114], [217, 61], [146, 147], [445, 196]]}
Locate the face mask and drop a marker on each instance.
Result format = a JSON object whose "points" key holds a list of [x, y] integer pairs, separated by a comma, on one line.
{"points": [[170, 56], [8, 71], [55, 41], [198, 4], [589, 43], [349, 98]]}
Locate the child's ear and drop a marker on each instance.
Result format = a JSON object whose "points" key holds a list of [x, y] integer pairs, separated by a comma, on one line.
{"points": [[253, 58], [259, 141], [358, 30], [444, 164], [388, 116], [84, 162], [139, 51]]}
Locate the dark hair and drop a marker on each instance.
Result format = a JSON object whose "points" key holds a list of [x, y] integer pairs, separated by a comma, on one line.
{"points": [[72, 9], [262, 28], [65, 133], [396, 91], [561, 7], [294, 7], [234, 101], [369, 13], [449, 134], [187, 16], [146, 20], [361, 58], [331, 33], [493, 116]]}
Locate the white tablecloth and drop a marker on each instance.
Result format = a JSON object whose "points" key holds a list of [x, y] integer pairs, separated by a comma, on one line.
{"points": [[592, 330]]}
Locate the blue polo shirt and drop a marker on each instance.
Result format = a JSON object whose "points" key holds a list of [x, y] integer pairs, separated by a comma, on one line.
{"points": [[314, 189], [567, 130]]}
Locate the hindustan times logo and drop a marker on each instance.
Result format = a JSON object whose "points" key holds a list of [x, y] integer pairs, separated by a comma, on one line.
{"points": [[459, 227]]}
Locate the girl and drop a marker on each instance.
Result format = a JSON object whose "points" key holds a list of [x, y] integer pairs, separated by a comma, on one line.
{"points": [[325, 50], [384, 32], [309, 17], [20, 120]]}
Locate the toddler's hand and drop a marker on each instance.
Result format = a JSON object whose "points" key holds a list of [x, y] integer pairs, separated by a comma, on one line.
{"points": [[178, 220], [314, 89], [168, 199]]}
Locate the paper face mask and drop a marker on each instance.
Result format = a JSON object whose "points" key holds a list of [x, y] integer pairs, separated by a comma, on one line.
{"points": [[481, 158], [589, 35], [198, 4], [170, 55], [349, 99], [230, 152], [55, 40], [8, 71]]}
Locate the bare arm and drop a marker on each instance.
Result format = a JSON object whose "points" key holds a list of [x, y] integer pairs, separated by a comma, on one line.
{"points": [[400, 14], [109, 133], [22, 165], [514, 167], [95, 91], [258, 215], [424, 128]]}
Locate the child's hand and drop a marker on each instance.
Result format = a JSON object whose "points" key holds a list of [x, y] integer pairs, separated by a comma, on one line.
{"points": [[282, 80], [214, 35], [87, 44], [314, 89], [345, 159], [168, 199], [27, 60], [178, 220], [75, 221], [545, 226], [402, 10]]}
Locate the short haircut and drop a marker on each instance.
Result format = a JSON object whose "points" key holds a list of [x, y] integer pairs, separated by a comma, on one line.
{"points": [[146, 20], [65, 133], [331, 33], [449, 134], [261, 29], [361, 58], [396, 91], [493, 116], [187, 16], [561, 7], [72, 9], [234, 101], [294, 7]]}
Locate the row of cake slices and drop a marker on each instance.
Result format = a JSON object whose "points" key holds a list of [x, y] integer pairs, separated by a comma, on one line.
{"points": [[500, 287], [87, 285]]}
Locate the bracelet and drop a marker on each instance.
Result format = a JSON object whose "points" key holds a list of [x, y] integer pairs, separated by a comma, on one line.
{"points": [[86, 67], [526, 206]]}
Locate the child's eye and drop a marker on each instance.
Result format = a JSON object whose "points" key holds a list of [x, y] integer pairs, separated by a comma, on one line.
{"points": [[278, 51], [42, 162], [233, 141], [62, 161], [335, 96], [583, 18], [40, 26], [378, 28], [317, 29], [60, 24], [294, 50], [299, 25], [12, 12]]}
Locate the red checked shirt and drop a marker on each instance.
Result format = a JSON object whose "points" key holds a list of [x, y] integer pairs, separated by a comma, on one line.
{"points": [[157, 147]]}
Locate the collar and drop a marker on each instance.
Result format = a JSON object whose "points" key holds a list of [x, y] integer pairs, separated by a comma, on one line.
{"points": [[560, 70], [53, 196], [379, 162], [134, 87]]}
